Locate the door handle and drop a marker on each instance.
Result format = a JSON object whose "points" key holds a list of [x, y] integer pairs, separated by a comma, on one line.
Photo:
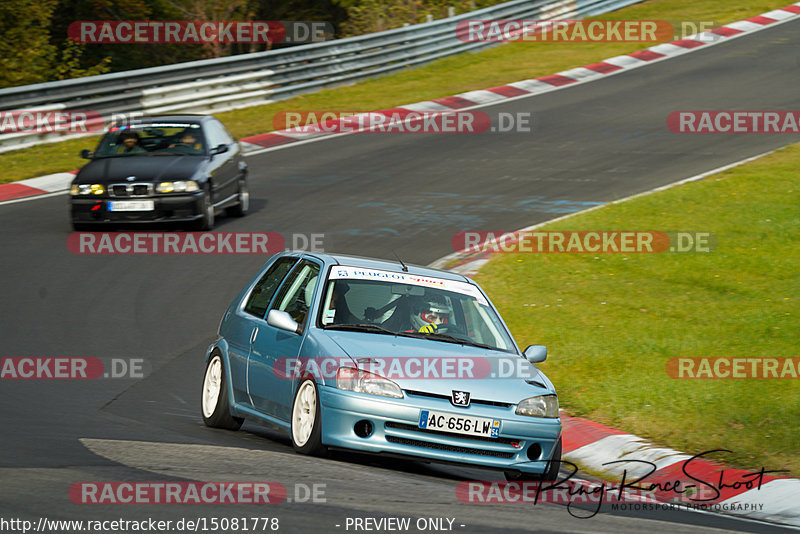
{"points": [[254, 335]]}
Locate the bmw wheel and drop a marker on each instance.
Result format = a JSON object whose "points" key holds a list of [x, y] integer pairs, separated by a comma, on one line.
{"points": [[243, 205], [215, 406], [206, 222], [306, 427]]}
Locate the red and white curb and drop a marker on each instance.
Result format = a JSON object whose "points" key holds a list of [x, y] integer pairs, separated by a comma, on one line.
{"points": [[593, 446], [34, 187], [279, 139]]}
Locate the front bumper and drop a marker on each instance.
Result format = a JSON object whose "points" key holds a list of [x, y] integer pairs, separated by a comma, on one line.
{"points": [[168, 208], [395, 430]]}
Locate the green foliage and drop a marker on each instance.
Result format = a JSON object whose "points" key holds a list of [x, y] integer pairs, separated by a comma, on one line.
{"points": [[366, 16], [29, 54], [26, 55], [70, 64]]}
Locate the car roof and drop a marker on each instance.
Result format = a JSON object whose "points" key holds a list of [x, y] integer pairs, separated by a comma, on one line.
{"points": [[387, 265], [182, 118]]}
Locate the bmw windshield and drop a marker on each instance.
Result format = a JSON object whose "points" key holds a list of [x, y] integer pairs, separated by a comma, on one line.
{"points": [[402, 304], [167, 138]]}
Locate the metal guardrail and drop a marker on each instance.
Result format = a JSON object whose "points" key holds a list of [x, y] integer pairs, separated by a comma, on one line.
{"points": [[244, 80]]}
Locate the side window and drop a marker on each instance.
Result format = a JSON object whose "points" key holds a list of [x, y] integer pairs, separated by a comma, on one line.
{"points": [[259, 298], [297, 293], [226, 134], [216, 135]]}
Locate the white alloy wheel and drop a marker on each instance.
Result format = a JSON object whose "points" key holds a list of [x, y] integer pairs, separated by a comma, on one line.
{"points": [[212, 385], [304, 413]]}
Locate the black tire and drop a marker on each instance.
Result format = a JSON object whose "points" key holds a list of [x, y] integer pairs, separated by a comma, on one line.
{"points": [[220, 416], [550, 475], [303, 440], [206, 222], [243, 206]]}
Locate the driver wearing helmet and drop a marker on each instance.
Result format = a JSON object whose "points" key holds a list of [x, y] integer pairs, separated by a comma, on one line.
{"points": [[432, 317]]}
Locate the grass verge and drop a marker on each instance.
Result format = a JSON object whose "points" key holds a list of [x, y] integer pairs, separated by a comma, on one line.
{"points": [[497, 66], [612, 321]]}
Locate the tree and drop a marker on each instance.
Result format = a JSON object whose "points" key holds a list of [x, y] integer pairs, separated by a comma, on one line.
{"points": [[213, 10], [367, 16], [29, 53], [26, 54]]}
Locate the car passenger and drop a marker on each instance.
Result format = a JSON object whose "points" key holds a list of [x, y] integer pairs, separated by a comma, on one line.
{"points": [[129, 142]]}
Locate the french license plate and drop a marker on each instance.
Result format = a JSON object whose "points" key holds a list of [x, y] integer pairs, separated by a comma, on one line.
{"points": [[459, 424], [131, 205]]}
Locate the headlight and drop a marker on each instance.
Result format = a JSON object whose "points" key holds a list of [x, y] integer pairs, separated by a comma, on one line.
{"points": [[87, 189], [351, 379], [541, 406], [183, 186]]}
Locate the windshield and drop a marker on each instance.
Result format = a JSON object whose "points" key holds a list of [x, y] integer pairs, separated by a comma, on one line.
{"points": [[386, 302], [173, 138]]}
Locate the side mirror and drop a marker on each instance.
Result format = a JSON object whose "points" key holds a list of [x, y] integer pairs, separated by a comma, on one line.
{"points": [[535, 353], [219, 149], [86, 153], [282, 320]]}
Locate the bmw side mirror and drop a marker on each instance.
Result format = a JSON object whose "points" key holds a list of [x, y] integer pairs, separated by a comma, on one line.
{"points": [[536, 353], [282, 320], [86, 153], [219, 149]]}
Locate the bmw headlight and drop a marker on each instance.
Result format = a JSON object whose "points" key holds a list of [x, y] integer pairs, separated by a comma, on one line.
{"points": [[181, 186], [87, 189], [541, 406], [351, 379]]}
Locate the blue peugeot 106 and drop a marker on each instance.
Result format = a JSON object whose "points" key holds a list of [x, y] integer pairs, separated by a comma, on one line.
{"points": [[376, 356]]}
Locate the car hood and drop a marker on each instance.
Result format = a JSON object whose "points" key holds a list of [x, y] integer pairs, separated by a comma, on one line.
{"points": [[485, 374], [144, 168]]}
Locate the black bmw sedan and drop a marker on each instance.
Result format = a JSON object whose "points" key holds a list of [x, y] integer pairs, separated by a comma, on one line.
{"points": [[181, 168]]}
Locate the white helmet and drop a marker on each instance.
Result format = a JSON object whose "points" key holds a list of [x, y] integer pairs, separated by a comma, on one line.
{"points": [[432, 312]]}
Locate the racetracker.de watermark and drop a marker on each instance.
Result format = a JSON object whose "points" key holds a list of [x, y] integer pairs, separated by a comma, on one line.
{"points": [[400, 120], [177, 493], [734, 122], [408, 367], [70, 368], [198, 32], [65, 122], [582, 31], [733, 368], [71, 122], [191, 242], [582, 242]]}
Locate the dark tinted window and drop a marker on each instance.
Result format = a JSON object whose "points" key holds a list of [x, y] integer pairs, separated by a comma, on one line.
{"points": [[258, 301], [297, 293]]}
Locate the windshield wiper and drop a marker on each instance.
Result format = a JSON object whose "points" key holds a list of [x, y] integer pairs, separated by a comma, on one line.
{"points": [[447, 338], [364, 327], [361, 327]]}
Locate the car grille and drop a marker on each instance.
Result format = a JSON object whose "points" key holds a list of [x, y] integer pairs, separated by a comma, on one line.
{"points": [[130, 190], [447, 398], [449, 448], [412, 428]]}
